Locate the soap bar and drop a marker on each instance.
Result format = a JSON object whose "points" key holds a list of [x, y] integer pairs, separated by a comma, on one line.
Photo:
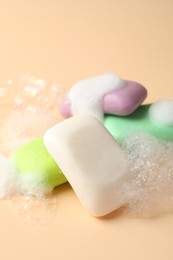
{"points": [[123, 101], [106, 93], [33, 158], [92, 161], [139, 121]]}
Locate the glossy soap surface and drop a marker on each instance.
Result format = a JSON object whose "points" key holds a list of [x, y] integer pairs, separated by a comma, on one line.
{"points": [[92, 161], [33, 158], [138, 121]]}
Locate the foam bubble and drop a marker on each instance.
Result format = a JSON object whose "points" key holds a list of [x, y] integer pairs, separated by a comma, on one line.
{"points": [[151, 190], [86, 95], [21, 126], [34, 210], [8, 177], [33, 107], [34, 185], [162, 112], [29, 106], [28, 194], [12, 182]]}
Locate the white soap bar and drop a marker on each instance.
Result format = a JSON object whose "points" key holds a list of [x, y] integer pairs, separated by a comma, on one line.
{"points": [[91, 160]]}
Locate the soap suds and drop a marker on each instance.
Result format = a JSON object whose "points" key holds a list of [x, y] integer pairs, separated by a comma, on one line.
{"points": [[23, 126], [12, 182], [34, 210], [30, 106], [86, 96], [150, 193], [162, 112], [34, 108], [27, 193], [8, 177]]}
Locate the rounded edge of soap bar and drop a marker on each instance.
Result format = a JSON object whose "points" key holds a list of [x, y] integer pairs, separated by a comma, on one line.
{"points": [[121, 101], [65, 108], [80, 138], [138, 121], [126, 100], [33, 158]]}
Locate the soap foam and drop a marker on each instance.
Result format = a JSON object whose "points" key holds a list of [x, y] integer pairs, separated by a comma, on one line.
{"points": [[34, 210], [22, 126], [30, 107], [162, 112], [12, 182], [86, 96], [8, 177], [27, 193], [34, 109], [150, 193]]}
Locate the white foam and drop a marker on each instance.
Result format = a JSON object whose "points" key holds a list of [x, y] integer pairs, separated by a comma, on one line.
{"points": [[27, 194], [8, 177], [22, 126], [86, 96], [32, 106], [29, 106], [34, 210], [12, 182], [151, 190], [162, 112], [33, 185]]}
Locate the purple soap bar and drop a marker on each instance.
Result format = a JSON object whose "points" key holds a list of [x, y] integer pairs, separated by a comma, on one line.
{"points": [[124, 101], [105, 94], [65, 108]]}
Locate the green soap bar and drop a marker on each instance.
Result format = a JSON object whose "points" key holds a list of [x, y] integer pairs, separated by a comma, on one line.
{"points": [[138, 121], [33, 158]]}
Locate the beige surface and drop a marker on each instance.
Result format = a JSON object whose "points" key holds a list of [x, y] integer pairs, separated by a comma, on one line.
{"points": [[65, 41]]}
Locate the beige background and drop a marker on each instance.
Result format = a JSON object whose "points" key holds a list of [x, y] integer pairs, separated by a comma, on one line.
{"points": [[64, 41]]}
